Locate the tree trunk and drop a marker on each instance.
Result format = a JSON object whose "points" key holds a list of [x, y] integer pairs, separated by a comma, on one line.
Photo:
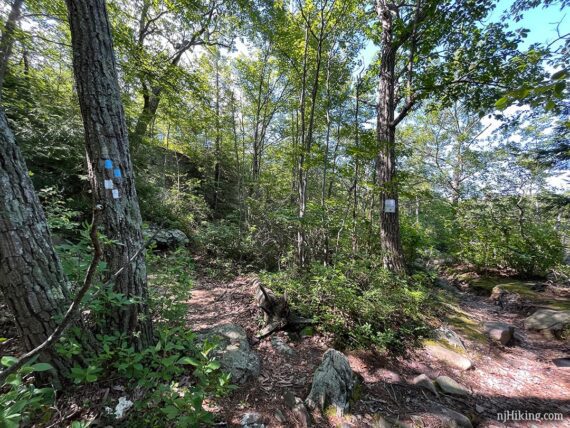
{"points": [[151, 99], [32, 280], [109, 163], [8, 38], [392, 253], [31, 276]]}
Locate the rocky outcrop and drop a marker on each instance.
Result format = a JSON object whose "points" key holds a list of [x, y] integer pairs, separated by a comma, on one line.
{"points": [[506, 300], [548, 321], [280, 346], [333, 383], [234, 353], [451, 337]]}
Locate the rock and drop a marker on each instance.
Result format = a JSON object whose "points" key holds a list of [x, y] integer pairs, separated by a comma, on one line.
{"points": [[548, 321], [333, 382], [451, 418], [167, 239], [444, 284], [252, 420], [280, 346], [449, 386], [506, 299], [234, 353], [500, 332], [451, 337], [539, 287], [466, 277], [298, 408], [561, 362], [425, 382], [448, 356]]}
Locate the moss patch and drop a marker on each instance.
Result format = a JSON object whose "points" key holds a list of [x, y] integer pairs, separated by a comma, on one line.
{"points": [[467, 327], [523, 288]]}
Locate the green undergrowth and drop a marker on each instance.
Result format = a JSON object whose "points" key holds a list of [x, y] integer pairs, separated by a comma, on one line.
{"points": [[172, 378], [178, 372], [360, 303]]}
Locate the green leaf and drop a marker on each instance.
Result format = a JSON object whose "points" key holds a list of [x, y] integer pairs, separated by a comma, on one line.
{"points": [[42, 367], [213, 365], [170, 411], [8, 361], [502, 103], [559, 75], [189, 360]]}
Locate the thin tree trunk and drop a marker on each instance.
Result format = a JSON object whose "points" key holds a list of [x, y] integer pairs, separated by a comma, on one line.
{"points": [[8, 39], [392, 253], [301, 174], [356, 168], [217, 148], [109, 162]]}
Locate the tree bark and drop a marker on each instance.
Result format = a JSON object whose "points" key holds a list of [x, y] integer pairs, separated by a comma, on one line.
{"points": [[31, 276], [392, 253], [109, 163], [32, 280], [8, 38]]}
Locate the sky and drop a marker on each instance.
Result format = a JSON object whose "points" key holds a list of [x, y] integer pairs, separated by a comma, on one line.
{"points": [[542, 23]]}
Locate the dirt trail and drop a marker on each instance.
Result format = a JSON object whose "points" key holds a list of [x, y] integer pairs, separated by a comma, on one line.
{"points": [[522, 376]]}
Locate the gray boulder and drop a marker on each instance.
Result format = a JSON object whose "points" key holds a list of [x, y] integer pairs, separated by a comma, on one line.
{"points": [[234, 353], [499, 332], [333, 383], [167, 239], [548, 321], [252, 420], [450, 418], [449, 386], [425, 382], [451, 337]]}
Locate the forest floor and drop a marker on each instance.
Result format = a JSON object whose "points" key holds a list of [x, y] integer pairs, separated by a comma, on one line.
{"points": [[528, 375], [531, 374]]}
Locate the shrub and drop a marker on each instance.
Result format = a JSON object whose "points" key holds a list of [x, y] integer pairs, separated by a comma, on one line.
{"points": [[20, 401], [359, 302]]}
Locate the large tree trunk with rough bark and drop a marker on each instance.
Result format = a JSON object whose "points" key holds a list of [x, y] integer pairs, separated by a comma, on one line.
{"points": [[32, 280], [109, 163], [31, 276], [391, 245]]}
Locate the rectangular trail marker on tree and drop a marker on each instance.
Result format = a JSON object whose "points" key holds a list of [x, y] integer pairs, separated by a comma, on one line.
{"points": [[390, 206]]}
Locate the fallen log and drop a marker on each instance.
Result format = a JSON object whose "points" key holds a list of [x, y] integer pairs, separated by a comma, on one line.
{"points": [[277, 314]]}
